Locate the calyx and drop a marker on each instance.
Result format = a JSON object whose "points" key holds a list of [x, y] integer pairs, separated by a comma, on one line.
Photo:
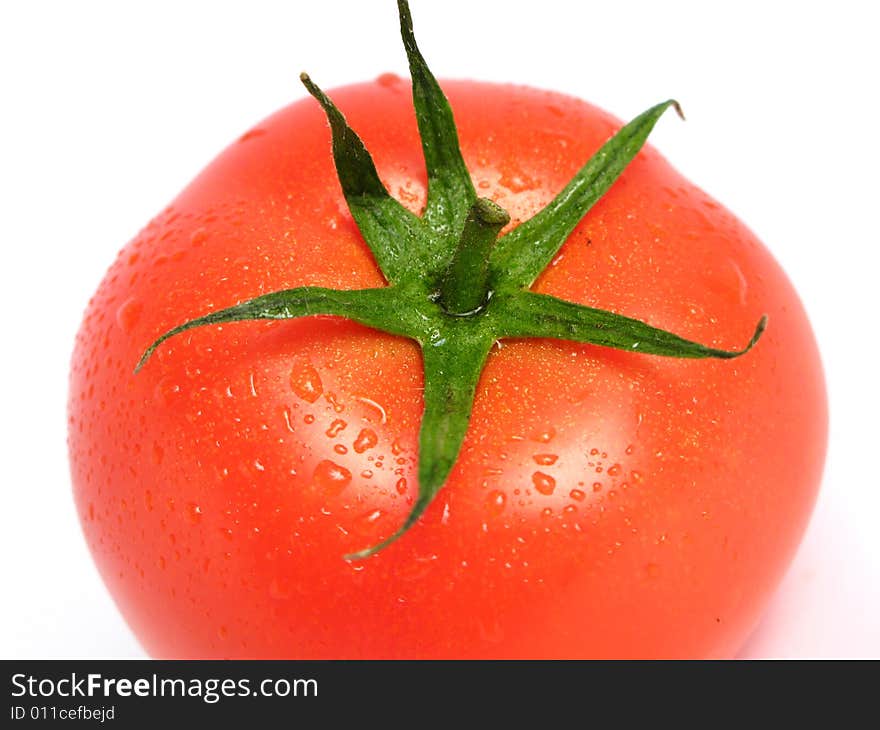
{"points": [[453, 286]]}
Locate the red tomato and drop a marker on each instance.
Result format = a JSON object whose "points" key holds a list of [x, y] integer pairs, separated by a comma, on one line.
{"points": [[605, 503]]}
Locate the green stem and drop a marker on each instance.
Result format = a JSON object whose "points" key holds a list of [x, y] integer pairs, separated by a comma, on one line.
{"points": [[465, 285]]}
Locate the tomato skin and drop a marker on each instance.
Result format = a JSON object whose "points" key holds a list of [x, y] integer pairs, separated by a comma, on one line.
{"points": [[605, 504]]}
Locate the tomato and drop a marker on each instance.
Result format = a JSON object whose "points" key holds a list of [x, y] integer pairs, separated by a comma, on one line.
{"points": [[604, 503]]}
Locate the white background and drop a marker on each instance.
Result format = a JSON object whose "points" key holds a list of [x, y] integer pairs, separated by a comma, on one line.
{"points": [[107, 110]]}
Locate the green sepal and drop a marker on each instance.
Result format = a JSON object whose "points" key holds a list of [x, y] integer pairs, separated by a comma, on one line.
{"points": [[521, 255], [450, 188], [372, 307], [393, 234], [452, 371], [527, 314]]}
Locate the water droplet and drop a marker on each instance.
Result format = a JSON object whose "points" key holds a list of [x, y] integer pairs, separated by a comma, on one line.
{"points": [[401, 486], [330, 477], [406, 196], [383, 416], [367, 474], [193, 512], [630, 449], [389, 80], [286, 413], [128, 314], [366, 439], [309, 418], [515, 180], [496, 502], [335, 427], [305, 382], [577, 494], [340, 449], [614, 470], [545, 459], [332, 400], [545, 436], [544, 483], [198, 237], [597, 486], [252, 134], [371, 517], [167, 390]]}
